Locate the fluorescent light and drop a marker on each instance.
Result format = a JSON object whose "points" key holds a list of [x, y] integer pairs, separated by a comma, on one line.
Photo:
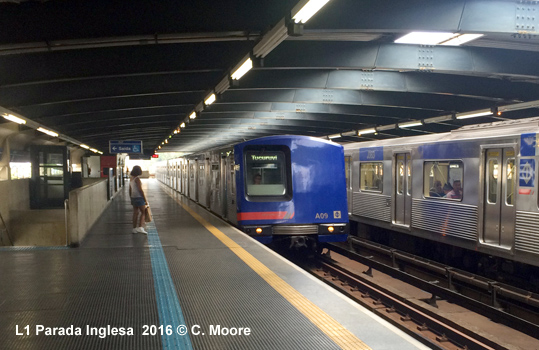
{"points": [[209, 100], [244, 68], [175, 131], [519, 106], [94, 150], [84, 146], [366, 131], [480, 113], [425, 38], [166, 141], [14, 119], [99, 152], [461, 39], [410, 124], [334, 136], [182, 125], [309, 10], [442, 118], [194, 114], [48, 132]]}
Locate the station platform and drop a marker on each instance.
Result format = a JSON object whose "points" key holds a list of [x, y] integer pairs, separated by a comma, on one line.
{"points": [[193, 273]]}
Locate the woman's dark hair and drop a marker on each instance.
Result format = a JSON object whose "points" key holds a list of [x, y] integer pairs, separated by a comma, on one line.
{"points": [[136, 171]]}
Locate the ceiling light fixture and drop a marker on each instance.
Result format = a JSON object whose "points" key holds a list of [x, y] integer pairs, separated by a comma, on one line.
{"points": [[308, 10], [461, 39], [480, 113], [334, 136], [437, 38], [366, 131], [48, 132], [182, 125], [243, 69], [410, 124], [84, 146], [94, 150], [211, 99], [14, 119], [191, 116]]}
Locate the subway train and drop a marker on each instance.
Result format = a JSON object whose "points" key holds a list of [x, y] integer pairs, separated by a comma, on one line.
{"points": [[289, 190], [470, 194]]}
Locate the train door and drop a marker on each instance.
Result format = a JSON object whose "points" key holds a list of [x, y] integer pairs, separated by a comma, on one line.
{"points": [[348, 172], [215, 188], [192, 179], [499, 197], [403, 189], [231, 190]]}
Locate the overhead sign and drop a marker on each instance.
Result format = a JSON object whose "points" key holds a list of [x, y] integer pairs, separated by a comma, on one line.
{"points": [[125, 146]]}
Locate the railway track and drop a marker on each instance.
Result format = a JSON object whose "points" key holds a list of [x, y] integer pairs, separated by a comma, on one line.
{"points": [[442, 292], [413, 319]]}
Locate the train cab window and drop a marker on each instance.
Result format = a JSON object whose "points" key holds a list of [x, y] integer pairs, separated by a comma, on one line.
{"points": [[371, 176], [267, 174], [443, 179]]}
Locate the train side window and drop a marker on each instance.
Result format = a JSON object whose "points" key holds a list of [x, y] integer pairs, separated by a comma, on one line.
{"points": [[443, 179], [492, 181], [511, 182], [371, 176]]}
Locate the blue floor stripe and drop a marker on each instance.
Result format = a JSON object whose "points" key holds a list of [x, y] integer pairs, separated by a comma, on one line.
{"points": [[170, 312]]}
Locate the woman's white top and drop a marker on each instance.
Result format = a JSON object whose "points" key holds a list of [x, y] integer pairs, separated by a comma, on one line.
{"points": [[134, 188]]}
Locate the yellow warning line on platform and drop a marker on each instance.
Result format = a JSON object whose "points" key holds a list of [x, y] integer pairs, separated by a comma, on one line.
{"points": [[333, 329]]}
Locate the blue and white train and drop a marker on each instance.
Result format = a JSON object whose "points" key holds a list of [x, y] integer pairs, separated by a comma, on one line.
{"points": [[397, 184], [279, 188]]}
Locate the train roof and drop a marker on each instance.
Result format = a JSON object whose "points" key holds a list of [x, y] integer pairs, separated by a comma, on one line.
{"points": [[476, 131], [278, 138]]}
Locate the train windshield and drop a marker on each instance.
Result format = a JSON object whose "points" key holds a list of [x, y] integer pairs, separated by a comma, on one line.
{"points": [[265, 173]]}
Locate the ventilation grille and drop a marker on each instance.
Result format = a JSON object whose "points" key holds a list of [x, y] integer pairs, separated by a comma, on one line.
{"points": [[526, 233], [374, 206], [295, 230]]}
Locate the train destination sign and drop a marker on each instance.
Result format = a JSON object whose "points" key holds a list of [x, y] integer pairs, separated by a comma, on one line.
{"points": [[116, 146]]}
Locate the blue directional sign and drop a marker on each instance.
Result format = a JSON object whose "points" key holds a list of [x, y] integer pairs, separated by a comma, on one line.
{"points": [[125, 146]]}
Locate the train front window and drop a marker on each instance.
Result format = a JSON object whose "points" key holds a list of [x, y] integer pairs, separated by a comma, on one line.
{"points": [[265, 173], [371, 176]]}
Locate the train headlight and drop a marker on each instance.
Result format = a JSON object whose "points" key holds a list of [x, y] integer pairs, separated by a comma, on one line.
{"points": [[258, 230], [331, 228]]}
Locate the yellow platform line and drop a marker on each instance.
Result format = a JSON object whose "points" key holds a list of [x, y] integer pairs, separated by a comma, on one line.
{"points": [[333, 329]]}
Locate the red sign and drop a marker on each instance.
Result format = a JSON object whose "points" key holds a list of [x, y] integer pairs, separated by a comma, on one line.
{"points": [[155, 156]]}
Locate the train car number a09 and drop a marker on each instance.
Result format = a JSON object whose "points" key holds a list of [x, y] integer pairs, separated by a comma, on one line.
{"points": [[321, 215]]}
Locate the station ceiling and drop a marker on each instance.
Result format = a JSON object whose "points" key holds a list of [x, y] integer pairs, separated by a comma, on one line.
{"points": [[135, 70]]}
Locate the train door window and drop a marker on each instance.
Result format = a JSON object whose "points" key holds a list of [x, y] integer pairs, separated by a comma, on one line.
{"points": [[371, 176], [492, 181], [511, 182], [267, 173], [400, 176], [347, 161], [408, 174], [439, 177]]}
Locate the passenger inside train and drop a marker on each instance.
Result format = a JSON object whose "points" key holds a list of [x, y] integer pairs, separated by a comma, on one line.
{"points": [[437, 189], [456, 192]]}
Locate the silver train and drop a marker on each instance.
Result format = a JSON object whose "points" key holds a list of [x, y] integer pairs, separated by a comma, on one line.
{"points": [[201, 179], [398, 184]]}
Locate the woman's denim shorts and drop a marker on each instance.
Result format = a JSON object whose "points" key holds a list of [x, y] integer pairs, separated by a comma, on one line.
{"points": [[138, 201]]}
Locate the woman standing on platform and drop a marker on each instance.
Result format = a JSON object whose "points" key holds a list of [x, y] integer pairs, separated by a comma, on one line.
{"points": [[138, 200]]}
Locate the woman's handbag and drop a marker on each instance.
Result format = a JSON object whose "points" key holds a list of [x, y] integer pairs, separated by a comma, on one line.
{"points": [[148, 214]]}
